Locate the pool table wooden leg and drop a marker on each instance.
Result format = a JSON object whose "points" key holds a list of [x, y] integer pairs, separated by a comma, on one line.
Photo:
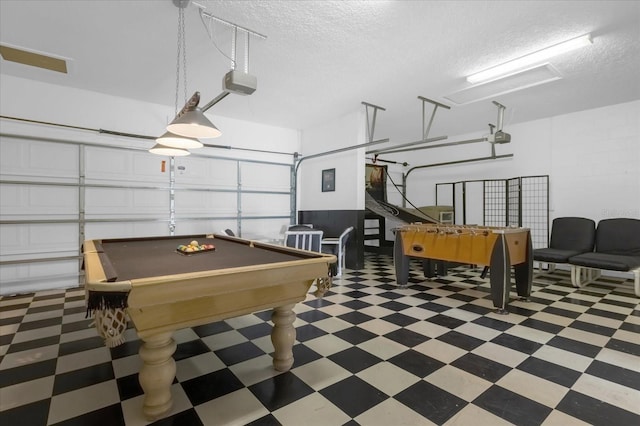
{"points": [[157, 373], [283, 335]]}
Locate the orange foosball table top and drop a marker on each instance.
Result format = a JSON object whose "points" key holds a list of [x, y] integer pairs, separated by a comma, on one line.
{"points": [[462, 243]]}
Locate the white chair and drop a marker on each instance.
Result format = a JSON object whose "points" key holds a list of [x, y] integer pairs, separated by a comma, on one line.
{"points": [[305, 240], [336, 246]]}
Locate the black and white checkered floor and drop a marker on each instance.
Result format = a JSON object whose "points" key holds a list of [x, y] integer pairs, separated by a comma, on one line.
{"points": [[369, 353]]}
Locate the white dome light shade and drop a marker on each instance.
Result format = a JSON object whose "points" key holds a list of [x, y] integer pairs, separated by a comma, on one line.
{"points": [[194, 124], [160, 149], [176, 141]]}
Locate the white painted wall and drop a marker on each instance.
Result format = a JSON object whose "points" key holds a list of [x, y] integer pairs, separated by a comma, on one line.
{"points": [[345, 131], [595, 165]]}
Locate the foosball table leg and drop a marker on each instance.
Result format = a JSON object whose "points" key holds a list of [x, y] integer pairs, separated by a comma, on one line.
{"points": [[428, 268], [500, 277], [483, 274], [524, 273], [401, 262]]}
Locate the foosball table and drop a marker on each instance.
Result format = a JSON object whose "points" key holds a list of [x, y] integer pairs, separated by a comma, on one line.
{"points": [[498, 248]]}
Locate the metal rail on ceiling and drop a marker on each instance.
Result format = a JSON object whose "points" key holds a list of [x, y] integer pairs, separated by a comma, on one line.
{"points": [[132, 135]]}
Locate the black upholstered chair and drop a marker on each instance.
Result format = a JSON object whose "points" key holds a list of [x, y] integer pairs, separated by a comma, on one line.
{"points": [[570, 236], [617, 249]]}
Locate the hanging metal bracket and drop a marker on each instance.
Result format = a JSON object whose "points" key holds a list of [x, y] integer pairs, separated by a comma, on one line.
{"points": [[501, 109], [371, 125], [425, 130], [499, 136]]}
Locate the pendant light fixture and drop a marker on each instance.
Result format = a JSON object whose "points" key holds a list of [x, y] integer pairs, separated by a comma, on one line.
{"points": [[169, 151], [190, 121], [177, 143], [194, 124]]}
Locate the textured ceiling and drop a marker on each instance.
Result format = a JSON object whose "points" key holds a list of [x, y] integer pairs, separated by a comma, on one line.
{"points": [[323, 58]]}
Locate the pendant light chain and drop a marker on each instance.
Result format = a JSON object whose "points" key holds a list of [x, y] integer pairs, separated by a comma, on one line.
{"points": [[179, 46], [184, 54], [182, 51]]}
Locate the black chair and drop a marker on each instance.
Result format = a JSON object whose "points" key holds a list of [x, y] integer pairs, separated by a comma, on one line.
{"points": [[617, 249], [300, 227], [570, 236]]}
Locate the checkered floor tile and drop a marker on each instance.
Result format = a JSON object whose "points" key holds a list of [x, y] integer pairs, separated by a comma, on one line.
{"points": [[369, 353]]}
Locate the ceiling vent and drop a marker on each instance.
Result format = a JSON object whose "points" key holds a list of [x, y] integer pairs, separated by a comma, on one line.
{"points": [[511, 83], [33, 59]]}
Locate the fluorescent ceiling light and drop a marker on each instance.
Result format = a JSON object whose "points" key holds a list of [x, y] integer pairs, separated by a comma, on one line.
{"points": [[528, 60], [519, 80]]}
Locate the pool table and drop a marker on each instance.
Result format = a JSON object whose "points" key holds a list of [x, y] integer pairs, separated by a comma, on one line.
{"points": [[161, 290]]}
